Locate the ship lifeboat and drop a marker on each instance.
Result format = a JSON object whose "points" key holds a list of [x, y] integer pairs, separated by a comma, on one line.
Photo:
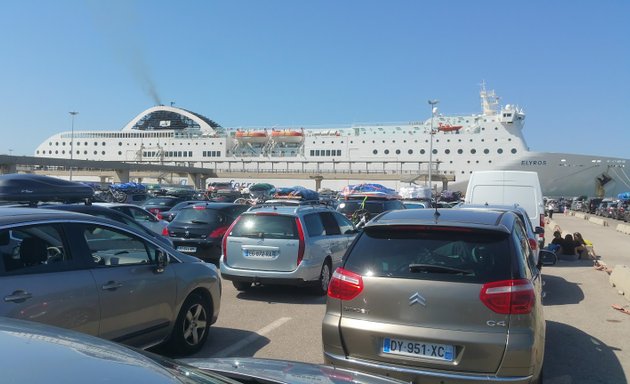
{"points": [[288, 136], [257, 137], [448, 127]]}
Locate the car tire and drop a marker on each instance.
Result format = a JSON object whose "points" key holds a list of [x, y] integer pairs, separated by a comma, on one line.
{"points": [[192, 326], [242, 285], [324, 279]]}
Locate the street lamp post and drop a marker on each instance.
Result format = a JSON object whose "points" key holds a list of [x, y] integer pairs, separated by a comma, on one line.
{"points": [[433, 104], [73, 114]]}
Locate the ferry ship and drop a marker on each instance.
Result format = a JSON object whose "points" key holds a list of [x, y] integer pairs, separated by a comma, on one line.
{"points": [[459, 145]]}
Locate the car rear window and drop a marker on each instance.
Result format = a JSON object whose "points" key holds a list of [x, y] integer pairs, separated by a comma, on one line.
{"points": [[199, 216], [435, 253], [266, 226], [160, 201], [349, 206]]}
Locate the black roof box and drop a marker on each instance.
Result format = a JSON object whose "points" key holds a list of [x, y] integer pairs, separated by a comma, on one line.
{"points": [[28, 188]]}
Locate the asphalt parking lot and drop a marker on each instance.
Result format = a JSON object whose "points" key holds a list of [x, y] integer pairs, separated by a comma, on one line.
{"points": [[587, 340]]}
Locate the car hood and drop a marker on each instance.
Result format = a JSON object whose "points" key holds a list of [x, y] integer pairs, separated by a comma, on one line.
{"points": [[37, 353], [280, 371]]}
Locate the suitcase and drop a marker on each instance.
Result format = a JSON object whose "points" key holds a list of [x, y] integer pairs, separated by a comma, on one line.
{"points": [[28, 188]]}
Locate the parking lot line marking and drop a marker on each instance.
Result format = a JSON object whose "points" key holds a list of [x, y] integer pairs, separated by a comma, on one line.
{"points": [[251, 338]]}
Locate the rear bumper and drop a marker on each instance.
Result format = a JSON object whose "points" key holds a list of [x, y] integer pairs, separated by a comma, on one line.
{"points": [[208, 251], [415, 375], [306, 273]]}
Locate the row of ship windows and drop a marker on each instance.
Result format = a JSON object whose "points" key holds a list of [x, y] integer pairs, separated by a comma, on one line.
{"points": [[120, 143], [146, 153], [327, 152], [446, 151], [85, 143]]}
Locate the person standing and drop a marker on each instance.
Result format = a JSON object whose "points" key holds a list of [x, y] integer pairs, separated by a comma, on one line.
{"points": [[550, 208]]}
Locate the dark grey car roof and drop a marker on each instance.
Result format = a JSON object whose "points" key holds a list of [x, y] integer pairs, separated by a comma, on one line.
{"points": [[10, 215], [448, 217]]}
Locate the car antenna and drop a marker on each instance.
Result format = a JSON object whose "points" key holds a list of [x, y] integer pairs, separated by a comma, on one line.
{"points": [[436, 215]]}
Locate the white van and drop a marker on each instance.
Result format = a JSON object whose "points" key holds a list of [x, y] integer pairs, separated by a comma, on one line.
{"points": [[507, 188]]}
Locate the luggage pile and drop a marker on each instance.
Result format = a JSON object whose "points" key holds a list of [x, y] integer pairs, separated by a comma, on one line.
{"points": [[296, 192], [369, 190], [415, 192]]}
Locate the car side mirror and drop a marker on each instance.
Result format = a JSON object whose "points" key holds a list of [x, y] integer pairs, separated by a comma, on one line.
{"points": [[161, 260], [546, 258], [539, 230]]}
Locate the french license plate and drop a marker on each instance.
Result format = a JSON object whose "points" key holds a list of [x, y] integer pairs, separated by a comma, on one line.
{"points": [[187, 249], [260, 254], [418, 349]]}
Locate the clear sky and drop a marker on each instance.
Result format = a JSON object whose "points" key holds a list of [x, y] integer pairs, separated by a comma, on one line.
{"points": [[324, 62]]}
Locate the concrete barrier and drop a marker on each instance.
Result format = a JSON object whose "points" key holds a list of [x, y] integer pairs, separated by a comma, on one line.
{"points": [[598, 220], [620, 279], [581, 215], [623, 228]]}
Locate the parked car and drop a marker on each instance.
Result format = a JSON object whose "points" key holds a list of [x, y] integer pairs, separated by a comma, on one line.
{"points": [[141, 216], [199, 228], [285, 244], [160, 204], [522, 214], [602, 208], [590, 206], [64, 356], [611, 210], [415, 204], [99, 277], [352, 207], [447, 297], [104, 211], [171, 213]]}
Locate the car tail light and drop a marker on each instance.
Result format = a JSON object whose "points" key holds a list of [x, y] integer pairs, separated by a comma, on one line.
{"points": [[533, 244], [156, 212], [301, 236], [218, 232], [508, 297], [345, 285], [225, 236], [542, 220], [165, 231]]}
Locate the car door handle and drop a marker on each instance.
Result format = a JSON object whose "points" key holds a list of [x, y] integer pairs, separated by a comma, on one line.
{"points": [[18, 297], [111, 285]]}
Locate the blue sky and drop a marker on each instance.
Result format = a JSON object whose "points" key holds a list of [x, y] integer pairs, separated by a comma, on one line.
{"points": [[325, 62]]}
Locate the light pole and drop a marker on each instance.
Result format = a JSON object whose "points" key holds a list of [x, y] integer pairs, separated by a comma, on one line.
{"points": [[432, 103], [72, 114]]}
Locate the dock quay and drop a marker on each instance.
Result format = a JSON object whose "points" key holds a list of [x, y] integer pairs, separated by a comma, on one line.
{"points": [[587, 339], [196, 173]]}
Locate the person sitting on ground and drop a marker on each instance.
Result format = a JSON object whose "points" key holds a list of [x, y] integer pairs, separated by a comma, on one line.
{"points": [[569, 245], [584, 247], [556, 244]]}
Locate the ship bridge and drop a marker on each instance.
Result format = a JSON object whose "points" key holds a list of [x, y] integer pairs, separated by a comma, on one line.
{"points": [[162, 117]]}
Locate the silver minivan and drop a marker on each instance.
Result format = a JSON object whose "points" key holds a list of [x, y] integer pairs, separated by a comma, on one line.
{"points": [[277, 244]]}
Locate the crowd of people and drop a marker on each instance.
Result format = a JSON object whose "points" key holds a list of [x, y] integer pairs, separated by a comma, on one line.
{"points": [[572, 244]]}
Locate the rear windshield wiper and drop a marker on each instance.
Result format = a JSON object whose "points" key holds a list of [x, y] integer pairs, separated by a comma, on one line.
{"points": [[438, 269], [198, 222]]}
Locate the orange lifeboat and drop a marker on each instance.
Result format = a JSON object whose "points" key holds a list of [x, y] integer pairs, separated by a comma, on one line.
{"points": [[259, 137], [449, 128], [288, 135]]}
